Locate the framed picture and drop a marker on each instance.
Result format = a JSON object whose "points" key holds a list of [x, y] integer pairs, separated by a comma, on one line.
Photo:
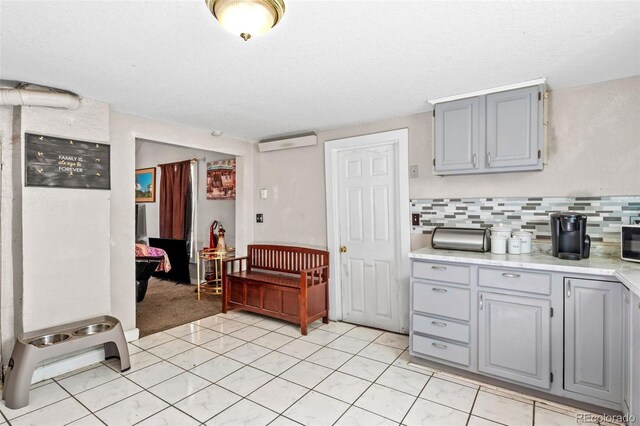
{"points": [[66, 163], [146, 185], [221, 180]]}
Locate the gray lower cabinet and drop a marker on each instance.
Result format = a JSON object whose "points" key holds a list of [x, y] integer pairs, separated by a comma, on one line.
{"points": [[626, 351], [500, 322], [514, 338], [635, 356], [593, 338]]}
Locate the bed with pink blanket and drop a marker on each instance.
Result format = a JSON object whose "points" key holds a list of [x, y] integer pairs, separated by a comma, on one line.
{"points": [[148, 260]]}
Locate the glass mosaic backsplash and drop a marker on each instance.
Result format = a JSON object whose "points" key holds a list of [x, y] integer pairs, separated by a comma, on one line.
{"points": [[604, 214]]}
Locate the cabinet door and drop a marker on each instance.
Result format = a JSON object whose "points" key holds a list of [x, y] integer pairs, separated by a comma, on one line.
{"points": [[513, 133], [626, 350], [457, 135], [593, 338], [514, 338], [635, 356]]}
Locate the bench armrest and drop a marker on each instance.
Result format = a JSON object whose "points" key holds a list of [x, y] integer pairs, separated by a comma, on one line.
{"points": [[314, 276], [232, 262]]}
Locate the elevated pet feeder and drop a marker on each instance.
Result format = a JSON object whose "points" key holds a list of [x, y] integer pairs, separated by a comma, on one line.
{"points": [[34, 347]]}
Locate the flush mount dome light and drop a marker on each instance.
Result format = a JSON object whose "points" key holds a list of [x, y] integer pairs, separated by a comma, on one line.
{"points": [[247, 18]]}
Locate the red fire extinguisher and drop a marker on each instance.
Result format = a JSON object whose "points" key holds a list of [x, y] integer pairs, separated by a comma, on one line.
{"points": [[213, 238]]}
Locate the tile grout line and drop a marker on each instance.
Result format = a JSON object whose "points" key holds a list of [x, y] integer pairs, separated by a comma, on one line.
{"points": [[475, 397], [416, 400]]}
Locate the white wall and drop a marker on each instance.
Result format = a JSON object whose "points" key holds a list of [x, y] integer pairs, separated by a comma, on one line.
{"points": [[150, 154], [65, 231], [593, 149]]}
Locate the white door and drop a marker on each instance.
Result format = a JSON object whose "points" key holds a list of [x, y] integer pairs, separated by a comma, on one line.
{"points": [[368, 212]]}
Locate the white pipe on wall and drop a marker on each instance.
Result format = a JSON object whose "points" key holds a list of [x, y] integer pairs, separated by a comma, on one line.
{"points": [[14, 97]]}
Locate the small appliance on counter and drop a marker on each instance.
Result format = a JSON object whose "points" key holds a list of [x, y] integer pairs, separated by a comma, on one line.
{"points": [[630, 242], [569, 239], [469, 239]]}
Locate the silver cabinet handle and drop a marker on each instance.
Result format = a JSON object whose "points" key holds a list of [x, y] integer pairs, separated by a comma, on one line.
{"points": [[439, 290], [510, 275], [438, 324], [488, 159], [481, 302], [475, 159], [439, 268], [568, 288], [439, 346]]}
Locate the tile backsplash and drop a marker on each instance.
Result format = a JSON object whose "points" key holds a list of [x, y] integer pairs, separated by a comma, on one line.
{"points": [[604, 214]]}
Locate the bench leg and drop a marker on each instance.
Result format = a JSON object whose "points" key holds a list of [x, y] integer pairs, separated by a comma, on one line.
{"points": [[325, 320]]}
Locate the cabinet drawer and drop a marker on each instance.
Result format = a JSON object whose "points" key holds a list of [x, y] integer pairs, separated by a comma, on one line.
{"points": [[441, 272], [441, 300], [439, 349], [441, 328], [516, 280]]}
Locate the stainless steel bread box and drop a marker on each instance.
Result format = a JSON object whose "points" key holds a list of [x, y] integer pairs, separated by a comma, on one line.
{"points": [[469, 239]]}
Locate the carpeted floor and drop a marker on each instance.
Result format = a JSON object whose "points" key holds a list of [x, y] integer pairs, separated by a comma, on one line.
{"points": [[167, 305]]}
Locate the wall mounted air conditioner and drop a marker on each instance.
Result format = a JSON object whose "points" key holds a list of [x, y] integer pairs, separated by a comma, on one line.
{"points": [[295, 141]]}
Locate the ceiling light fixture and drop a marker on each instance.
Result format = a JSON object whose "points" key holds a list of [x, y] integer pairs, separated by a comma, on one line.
{"points": [[247, 18]]}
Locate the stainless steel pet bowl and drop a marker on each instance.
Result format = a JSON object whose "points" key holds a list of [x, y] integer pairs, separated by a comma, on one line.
{"points": [[93, 329], [49, 339]]}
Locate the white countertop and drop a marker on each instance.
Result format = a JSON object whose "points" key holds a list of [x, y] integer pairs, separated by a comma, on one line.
{"points": [[627, 272]]}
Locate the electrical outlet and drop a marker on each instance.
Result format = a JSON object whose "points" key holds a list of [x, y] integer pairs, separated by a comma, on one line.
{"points": [[259, 218], [413, 171], [634, 220], [415, 219]]}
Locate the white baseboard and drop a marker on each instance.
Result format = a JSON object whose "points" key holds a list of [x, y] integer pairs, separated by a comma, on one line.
{"points": [[56, 366], [131, 335]]}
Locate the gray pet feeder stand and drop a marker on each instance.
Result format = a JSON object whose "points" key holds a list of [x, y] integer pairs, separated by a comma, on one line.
{"points": [[34, 347]]}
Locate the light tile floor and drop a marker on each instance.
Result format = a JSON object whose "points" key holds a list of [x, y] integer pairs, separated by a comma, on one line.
{"points": [[240, 368]]}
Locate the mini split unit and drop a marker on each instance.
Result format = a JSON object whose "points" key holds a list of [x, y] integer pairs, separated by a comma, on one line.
{"points": [[294, 141]]}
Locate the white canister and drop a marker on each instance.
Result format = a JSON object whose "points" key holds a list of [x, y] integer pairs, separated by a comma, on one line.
{"points": [[501, 231], [525, 241], [498, 244], [514, 245]]}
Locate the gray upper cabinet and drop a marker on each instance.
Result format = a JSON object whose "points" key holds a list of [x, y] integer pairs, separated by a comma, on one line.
{"points": [[457, 123], [497, 132], [512, 130], [593, 338], [514, 338]]}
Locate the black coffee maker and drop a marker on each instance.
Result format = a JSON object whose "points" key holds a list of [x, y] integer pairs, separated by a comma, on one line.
{"points": [[569, 239]]}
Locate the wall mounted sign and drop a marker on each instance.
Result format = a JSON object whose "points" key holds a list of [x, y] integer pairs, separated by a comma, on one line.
{"points": [[146, 185], [221, 180], [66, 163]]}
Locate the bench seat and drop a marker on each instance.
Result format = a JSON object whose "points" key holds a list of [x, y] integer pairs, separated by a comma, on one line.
{"points": [[286, 280]]}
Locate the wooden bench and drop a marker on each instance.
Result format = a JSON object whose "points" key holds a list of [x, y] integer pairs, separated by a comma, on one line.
{"points": [[284, 282]]}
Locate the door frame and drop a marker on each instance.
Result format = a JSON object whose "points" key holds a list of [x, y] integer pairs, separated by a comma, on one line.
{"points": [[400, 141]]}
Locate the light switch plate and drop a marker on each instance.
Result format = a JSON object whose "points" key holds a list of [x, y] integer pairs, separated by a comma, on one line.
{"points": [[413, 171]]}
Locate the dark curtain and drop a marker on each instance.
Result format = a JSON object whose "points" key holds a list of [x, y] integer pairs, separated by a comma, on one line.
{"points": [[175, 211]]}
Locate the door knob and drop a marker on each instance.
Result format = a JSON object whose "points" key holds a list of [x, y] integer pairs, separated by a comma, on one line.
{"points": [[343, 249]]}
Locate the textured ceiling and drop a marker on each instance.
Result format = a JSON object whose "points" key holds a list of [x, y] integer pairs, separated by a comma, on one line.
{"points": [[327, 64]]}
